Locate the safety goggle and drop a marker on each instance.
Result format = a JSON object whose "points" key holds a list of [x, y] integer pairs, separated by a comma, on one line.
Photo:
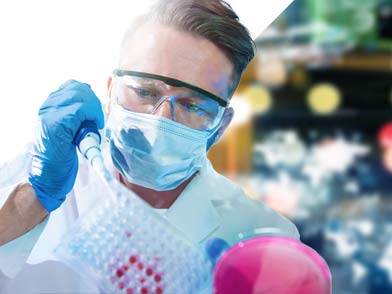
{"points": [[190, 105]]}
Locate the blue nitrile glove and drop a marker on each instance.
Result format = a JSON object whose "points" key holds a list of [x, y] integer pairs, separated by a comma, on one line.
{"points": [[215, 248], [55, 162]]}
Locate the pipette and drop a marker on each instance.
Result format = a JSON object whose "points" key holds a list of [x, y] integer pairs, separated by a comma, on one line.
{"points": [[88, 141]]}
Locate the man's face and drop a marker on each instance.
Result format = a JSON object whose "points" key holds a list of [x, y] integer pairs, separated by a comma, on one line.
{"points": [[165, 51]]}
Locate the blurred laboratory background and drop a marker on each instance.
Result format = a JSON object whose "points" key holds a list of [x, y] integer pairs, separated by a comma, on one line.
{"points": [[312, 134]]}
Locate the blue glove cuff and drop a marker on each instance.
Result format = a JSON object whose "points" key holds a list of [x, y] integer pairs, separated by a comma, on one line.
{"points": [[49, 188], [50, 203]]}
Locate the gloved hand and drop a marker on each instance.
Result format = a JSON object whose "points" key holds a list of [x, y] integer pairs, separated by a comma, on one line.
{"points": [[55, 162], [215, 248]]}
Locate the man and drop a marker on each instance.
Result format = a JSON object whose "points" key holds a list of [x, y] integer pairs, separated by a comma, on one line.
{"points": [[168, 104]]}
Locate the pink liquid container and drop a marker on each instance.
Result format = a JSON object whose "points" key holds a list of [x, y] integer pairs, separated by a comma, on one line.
{"points": [[271, 265], [385, 135]]}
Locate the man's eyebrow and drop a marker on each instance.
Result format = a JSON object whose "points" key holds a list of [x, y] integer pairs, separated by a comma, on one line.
{"points": [[192, 93], [144, 81]]}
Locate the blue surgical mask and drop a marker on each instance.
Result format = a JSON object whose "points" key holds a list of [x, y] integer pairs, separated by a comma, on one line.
{"points": [[153, 151]]}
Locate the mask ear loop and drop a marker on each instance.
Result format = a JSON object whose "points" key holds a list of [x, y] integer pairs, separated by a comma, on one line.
{"points": [[173, 107], [214, 133]]}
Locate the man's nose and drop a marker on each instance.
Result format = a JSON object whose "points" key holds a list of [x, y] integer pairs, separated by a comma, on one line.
{"points": [[164, 110]]}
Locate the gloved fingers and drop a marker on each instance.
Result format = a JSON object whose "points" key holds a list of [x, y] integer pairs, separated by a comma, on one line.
{"points": [[52, 183], [77, 113], [215, 248], [70, 85], [74, 98], [54, 141], [71, 92], [71, 82], [92, 111]]}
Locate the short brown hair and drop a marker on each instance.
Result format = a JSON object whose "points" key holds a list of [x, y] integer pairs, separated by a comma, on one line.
{"points": [[213, 20]]}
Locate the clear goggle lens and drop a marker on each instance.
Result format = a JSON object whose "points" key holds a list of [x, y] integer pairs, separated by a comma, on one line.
{"points": [[188, 107]]}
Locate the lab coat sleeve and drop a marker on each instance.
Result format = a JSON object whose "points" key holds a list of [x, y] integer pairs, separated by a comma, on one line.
{"points": [[242, 217], [270, 222], [14, 254]]}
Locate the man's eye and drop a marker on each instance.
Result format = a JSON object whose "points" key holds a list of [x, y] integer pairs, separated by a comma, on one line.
{"points": [[189, 105], [144, 92], [193, 107]]}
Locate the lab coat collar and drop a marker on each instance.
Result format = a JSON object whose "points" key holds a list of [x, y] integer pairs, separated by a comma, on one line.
{"points": [[193, 212]]}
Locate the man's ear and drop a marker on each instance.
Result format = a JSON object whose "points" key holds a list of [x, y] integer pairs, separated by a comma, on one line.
{"points": [[227, 118]]}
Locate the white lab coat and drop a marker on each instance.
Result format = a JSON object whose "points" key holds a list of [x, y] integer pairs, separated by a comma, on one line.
{"points": [[210, 206]]}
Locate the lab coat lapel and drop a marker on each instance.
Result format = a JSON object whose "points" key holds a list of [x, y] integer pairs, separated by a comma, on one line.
{"points": [[193, 212]]}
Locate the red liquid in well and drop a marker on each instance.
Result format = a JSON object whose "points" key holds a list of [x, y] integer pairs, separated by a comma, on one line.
{"points": [[132, 259], [119, 273], [149, 272], [140, 266], [157, 278]]}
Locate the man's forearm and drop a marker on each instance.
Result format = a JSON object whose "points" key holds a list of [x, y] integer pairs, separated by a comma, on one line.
{"points": [[20, 213]]}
